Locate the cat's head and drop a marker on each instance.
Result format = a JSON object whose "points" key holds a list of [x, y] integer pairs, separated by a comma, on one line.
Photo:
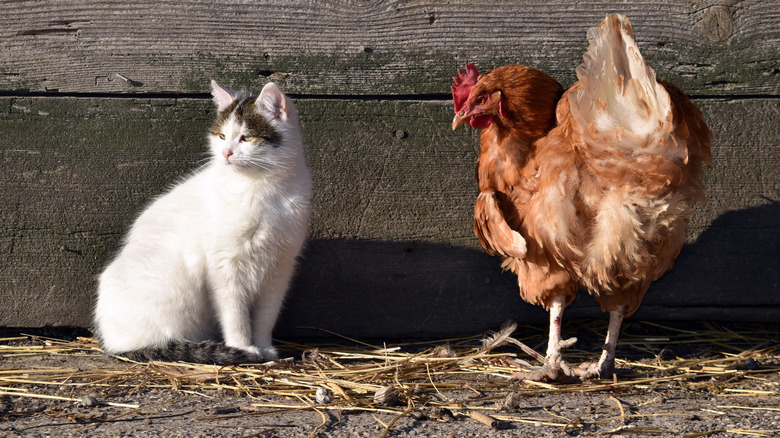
{"points": [[255, 132]]}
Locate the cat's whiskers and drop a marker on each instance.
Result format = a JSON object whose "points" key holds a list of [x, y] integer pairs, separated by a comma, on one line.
{"points": [[204, 161], [263, 163]]}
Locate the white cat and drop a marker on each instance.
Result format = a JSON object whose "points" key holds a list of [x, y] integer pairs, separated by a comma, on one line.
{"points": [[214, 256]]}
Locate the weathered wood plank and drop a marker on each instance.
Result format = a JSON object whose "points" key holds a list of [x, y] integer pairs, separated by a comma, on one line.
{"points": [[392, 250], [369, 48]]}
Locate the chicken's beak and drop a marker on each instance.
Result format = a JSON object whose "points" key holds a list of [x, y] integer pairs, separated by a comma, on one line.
{"points": [[460, 118]]}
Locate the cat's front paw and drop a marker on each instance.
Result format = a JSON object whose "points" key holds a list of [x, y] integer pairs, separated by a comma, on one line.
{"points": [[269, 353], [252, 351]]}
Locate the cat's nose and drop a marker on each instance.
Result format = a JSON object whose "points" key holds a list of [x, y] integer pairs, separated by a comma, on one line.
{"points": [[227, 153]]}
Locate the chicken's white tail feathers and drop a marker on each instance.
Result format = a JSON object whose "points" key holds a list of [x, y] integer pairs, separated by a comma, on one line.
{"points": [[618, 95]]}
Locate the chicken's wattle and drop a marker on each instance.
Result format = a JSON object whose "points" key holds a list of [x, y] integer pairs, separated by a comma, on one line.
{"points": [[480, 122]]}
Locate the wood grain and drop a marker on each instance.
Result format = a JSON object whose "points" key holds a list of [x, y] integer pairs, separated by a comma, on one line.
{"points": [[392, 250], [369, 48], [103, 106]]}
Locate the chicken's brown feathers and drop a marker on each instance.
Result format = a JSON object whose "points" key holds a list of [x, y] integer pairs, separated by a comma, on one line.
{"points": [[530, 97], [597, 182]]}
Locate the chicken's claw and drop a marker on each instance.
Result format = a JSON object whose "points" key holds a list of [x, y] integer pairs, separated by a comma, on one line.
{"points": [[594, 370], [555, 368], [605, 367]]}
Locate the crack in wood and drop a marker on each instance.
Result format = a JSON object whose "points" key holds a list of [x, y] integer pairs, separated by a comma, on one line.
{"points": [[54, 31]]}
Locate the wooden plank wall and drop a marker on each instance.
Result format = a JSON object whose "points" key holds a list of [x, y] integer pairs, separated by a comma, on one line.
{"points": [[103, 104]]}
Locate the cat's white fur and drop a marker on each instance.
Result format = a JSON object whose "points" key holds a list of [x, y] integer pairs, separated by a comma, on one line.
{"points": [[216, 253]]}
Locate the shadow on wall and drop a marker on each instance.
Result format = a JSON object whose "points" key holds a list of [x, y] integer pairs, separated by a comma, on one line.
{"points": [[375, 289], [395, 290], [731, 272]]}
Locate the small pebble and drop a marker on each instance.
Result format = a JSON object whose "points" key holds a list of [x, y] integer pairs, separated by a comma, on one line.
{"points": [[323, 396], [751, 364], [418, 416], [511, 401], [387, 395], [89, 401]]}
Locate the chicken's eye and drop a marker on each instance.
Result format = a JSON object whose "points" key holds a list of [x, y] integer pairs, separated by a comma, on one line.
{"points": [[481, 100]]}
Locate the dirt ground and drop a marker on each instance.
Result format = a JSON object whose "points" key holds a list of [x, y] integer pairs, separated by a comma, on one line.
{"points": [[689, 380]]}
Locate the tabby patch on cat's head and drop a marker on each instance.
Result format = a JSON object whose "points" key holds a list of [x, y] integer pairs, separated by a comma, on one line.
{"points": [[250, 130], [245, 111]]}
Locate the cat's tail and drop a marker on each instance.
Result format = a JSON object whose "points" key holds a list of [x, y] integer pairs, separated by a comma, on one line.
{"points": [[207, 352]]}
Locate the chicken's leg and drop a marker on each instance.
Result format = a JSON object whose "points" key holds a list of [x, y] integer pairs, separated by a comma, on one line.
{"points": [[606, 365], [555, 368]]}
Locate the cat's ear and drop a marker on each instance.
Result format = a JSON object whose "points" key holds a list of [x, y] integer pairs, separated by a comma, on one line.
{"points": [[223, 97], [272, 102]]}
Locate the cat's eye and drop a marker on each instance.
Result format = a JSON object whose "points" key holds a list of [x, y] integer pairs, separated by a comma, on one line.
{"points": [[247, 138], [221, 136]]}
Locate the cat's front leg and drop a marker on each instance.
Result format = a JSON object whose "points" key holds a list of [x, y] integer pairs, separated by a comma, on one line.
{"points": [[233, 313], [266, 310], [268, 304]]}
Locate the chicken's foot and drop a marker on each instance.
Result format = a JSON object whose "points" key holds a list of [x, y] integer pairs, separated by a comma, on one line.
{"points": [[555, 369], [606, 365]]}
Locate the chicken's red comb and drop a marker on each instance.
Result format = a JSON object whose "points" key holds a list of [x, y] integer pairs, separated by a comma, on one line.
{"points": [[462, 85]]}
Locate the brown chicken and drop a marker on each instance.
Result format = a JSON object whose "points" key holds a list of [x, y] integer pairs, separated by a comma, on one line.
{"points": [[590, 187]]}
